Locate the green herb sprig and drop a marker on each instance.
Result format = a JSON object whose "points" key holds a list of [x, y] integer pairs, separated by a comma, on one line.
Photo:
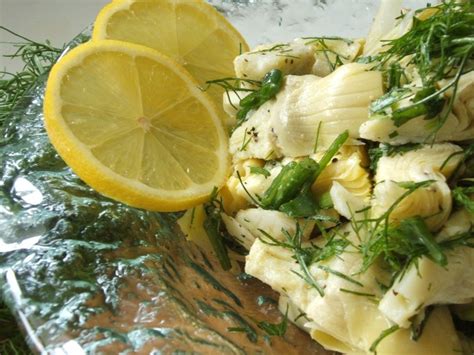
{"points": [[213, 227], [38, 58], [278, 329]]}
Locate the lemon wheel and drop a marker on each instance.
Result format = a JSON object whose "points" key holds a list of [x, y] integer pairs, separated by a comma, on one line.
{"points": [[192, 32], [134, 126]]}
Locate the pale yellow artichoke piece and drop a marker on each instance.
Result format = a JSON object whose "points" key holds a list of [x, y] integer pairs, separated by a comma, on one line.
{"points": [[256, 137], [240, 234], [428, 283], [347, 169], [273, 223], [294, 58], [247, 225], [433, 202], [324, 108], [343, 321], [330, 53], [387, 26]]}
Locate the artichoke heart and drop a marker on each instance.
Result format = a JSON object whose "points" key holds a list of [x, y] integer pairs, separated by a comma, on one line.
{"points": [[338, 320], [256, 137], [318, 110], [433, 202], [428, 283], [346, 169], [294, 58], [330, 53]]}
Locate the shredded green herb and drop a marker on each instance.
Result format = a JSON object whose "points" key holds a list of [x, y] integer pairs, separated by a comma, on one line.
{"points": [[278, 329], [213, 227], [37, 58], [462, 196], [259, 171], [382, 336], [323, 47]]}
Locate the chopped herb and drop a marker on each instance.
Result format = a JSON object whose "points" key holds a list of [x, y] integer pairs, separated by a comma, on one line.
{"points": [[301, 315], [38, 58], [259, 171], [252, 198], [395, 244], [356, 293], [416, 329], [333, 247], [382, 336], [388, 100], [393, 134], [323, 47], [340, 274], [213, 227], [461, 196], [394, 76], [316, 141], [233, 85], [246, 140], [424, 103], [275, 48], [278, 329]]}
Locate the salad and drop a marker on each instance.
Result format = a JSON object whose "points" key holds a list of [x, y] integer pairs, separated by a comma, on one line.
{"points": [[328, 178], [351, 182]]}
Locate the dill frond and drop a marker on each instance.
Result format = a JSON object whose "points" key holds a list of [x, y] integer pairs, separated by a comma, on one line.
{"points": [[37, 58]]}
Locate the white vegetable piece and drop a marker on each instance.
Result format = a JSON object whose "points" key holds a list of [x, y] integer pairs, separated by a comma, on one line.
{"points": [[346, 169], [428, 283], [339, 320], [383, 23], [272, 222], [247, 225], [330, 53], [256, 137], [291, 58], [240, 234], [434, 201], [337, 102], [346, 203], [459, 123]]}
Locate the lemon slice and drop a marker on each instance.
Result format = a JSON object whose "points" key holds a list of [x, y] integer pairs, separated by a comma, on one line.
{"points": [[133, 125], [190, 31]]}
